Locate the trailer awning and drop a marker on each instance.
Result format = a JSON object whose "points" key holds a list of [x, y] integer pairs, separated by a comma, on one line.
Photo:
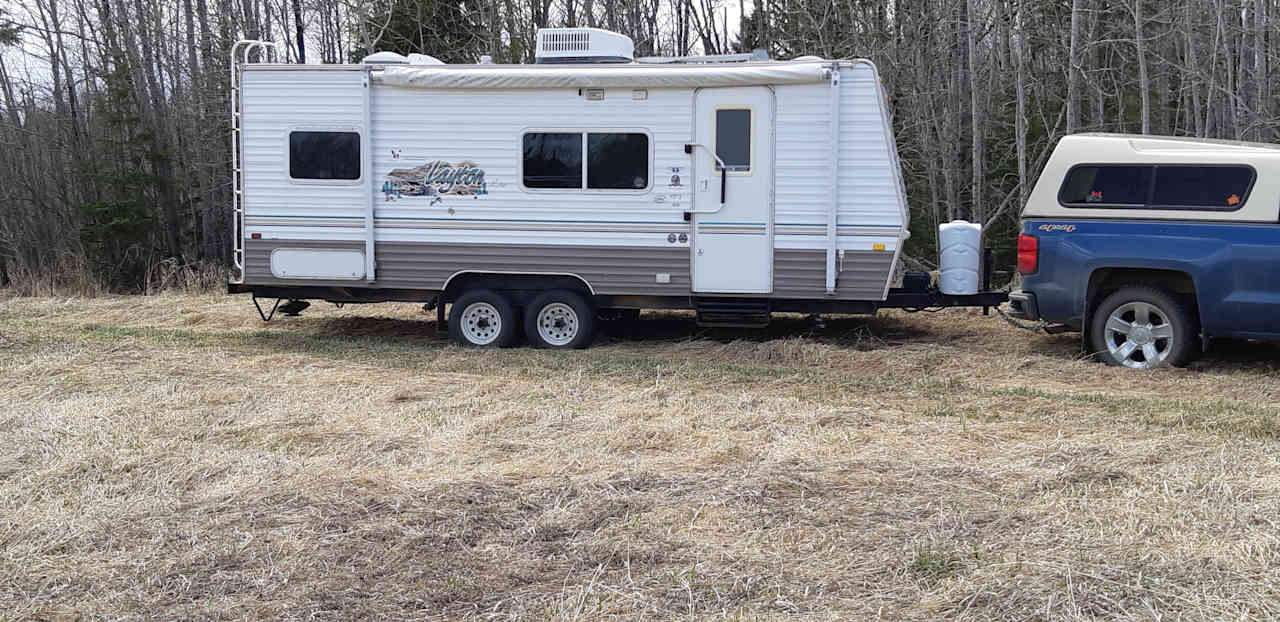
{"points": [[601, 76]]}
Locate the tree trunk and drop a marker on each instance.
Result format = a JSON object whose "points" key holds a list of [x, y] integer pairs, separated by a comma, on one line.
{"points": [[975, 113], [1073, 70], [1020, 113], [300, 28], [1143, 83], [1261, 81], [1191, 74]]}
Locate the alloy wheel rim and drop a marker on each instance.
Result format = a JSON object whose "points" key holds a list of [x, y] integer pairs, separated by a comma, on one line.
{"points": [[1139, 335]]}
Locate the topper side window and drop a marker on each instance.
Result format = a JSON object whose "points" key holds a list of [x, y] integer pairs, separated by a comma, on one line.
{"points": [[1209, 187], [1202, 187], [1106, 186]]}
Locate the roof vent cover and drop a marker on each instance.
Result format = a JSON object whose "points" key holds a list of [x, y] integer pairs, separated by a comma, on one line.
{"points": [[384, 58], [583, 45]]}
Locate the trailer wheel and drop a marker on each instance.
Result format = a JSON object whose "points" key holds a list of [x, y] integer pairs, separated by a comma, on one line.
{"points": [[1142, 328], [483, 318], [559, 319]]}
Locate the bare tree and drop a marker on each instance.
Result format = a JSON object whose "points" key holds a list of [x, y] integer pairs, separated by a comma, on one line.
{"points": [[1073, 69], [117, 155], [975, 113]]}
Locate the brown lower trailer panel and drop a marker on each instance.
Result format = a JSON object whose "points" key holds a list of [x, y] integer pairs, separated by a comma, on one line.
{"points": [[610, 270]]}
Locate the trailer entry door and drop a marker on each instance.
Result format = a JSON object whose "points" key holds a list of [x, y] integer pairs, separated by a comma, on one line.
{"points": [[733, 240]]}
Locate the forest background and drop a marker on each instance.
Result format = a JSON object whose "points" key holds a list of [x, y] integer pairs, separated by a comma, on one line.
{"points": [[115, 172]]}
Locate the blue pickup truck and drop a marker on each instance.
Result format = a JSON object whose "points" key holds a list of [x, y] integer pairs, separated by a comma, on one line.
{"points": [[1151, 246]]}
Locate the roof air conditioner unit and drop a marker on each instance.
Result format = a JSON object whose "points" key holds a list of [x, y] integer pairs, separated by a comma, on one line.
{"points": [[583, 45]]}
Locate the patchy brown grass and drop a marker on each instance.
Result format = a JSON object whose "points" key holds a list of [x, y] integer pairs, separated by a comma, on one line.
{"points": [[172, 457]]}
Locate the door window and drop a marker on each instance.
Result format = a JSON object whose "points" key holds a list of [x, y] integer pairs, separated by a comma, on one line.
{"points": [[733, 138]]}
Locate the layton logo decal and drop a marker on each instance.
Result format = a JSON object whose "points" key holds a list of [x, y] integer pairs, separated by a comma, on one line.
{"points": [[1052, 228], [436, 179]]}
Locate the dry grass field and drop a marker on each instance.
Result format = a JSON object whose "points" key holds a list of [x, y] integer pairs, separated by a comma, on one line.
{"points": [[172, 457]]}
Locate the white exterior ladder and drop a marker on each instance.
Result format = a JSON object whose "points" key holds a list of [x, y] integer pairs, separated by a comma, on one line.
{"points": [[241, 54]]}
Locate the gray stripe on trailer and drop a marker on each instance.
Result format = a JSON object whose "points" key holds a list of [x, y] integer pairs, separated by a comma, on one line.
{"points": [[614, 270]]}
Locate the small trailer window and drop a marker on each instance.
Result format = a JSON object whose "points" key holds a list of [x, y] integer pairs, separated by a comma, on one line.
{"points": [[324, 155], [618, 161], [1106, 185], [552, 160], [733, 138], [1202, 187], [614, 160]]}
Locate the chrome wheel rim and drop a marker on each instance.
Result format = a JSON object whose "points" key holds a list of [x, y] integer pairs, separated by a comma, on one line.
{"points": [[557, 324], [481, 323], [1139, 335]]}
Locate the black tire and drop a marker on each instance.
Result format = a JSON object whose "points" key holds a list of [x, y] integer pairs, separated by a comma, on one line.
{"points": [[472, 316], [1157, 321], [567, 321]]}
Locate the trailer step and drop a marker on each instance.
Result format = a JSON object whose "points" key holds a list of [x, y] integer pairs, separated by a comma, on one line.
{"points": [[732, 312]]}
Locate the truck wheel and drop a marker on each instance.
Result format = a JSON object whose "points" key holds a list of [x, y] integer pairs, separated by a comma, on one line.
{"points": [[559, 319], [1142, 328], [483, 318]]}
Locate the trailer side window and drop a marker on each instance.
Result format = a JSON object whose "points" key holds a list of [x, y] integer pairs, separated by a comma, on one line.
{"points": [[552, 160], [733, 138], [324, 155], [1202, 187], [618, 161], [1106, 185]]}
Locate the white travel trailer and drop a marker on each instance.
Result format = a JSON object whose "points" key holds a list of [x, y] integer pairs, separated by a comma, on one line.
{"points": [[590, 182]]}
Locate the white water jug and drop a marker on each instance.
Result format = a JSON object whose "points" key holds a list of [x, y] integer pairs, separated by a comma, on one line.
{"points": [[961, 243]]}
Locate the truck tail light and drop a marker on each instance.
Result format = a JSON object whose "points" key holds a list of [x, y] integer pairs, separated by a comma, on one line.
{"points": [[1028, 254]]}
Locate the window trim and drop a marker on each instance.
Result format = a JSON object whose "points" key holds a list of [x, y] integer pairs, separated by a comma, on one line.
{"points": [[288, 155], [583, 131], [1151, 186], [751, 139]]}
